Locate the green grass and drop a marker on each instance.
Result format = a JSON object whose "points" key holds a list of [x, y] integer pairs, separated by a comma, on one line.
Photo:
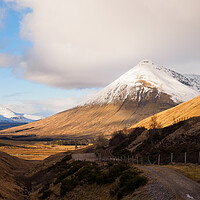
{"points": [[191, 171]]}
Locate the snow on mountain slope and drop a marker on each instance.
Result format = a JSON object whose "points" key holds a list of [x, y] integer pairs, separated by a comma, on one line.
{"points": [[4, 119], [143, 79], [194, 80], [7, 115]]}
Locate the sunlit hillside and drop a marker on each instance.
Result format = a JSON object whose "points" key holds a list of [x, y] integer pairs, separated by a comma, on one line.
{"points": [[183, 111]]}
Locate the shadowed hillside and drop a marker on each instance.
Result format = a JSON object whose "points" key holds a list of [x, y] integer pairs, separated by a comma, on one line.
{"points": [[12, 186], [178, 138]]}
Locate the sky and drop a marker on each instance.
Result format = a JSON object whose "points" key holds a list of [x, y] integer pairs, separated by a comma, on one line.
{"points": [[56, 53]]}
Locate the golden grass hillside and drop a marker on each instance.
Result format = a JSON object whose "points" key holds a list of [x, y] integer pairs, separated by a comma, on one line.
{"points": [[91, 120], [168, 117]]}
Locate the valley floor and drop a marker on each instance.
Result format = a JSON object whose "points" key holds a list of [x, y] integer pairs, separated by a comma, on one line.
{"points": [[18, 180], [33, 150]]}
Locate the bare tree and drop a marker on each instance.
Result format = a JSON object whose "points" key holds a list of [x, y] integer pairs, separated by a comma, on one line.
{"points": [[101, 141], [154, 124]]}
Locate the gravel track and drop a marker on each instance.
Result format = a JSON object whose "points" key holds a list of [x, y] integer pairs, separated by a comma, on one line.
{"points": [[166, 184]]}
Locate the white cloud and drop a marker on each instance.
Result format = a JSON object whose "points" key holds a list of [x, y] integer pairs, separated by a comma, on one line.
{"points": [[45, 108], [42, 108], [8, 60], [89, 43]]}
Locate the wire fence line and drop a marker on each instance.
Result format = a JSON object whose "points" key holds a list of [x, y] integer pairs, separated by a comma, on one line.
{"points": [[159, 159]]}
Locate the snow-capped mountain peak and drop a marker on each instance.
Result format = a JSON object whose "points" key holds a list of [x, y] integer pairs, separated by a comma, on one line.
{"points": [[143, 79], [7, 115]]}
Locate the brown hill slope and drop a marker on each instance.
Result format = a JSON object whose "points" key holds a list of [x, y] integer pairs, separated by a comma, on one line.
{"points": [[11, 184], [178, 138], [183, 111], [91, 120]]}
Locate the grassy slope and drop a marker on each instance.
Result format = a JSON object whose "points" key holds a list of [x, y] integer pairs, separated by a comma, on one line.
{"points": [[95, 119], [11, 187], [191, 171], [168, 117]]}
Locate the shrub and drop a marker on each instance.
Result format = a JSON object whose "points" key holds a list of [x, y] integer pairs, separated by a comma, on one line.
{"points": [[45, 187], [70, 170], [117, 138], [60, 164], [68, 185], [83, 172], [45, 194], [129, 181], [114, 189], [110, 164], [116, 171], [101, 178]]}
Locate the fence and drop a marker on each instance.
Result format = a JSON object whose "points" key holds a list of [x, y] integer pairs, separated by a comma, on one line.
{"points": [[159, 159]]}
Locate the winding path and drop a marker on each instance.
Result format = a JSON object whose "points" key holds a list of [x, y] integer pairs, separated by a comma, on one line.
{"points": [[166, 184]]}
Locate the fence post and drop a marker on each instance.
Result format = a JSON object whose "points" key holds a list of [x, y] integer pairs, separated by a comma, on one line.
{"points": [[149, 160], [199, 158], [172, 157], [185, 160], [158, 159]]}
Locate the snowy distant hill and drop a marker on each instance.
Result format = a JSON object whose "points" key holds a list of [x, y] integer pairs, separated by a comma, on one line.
{"points": [[9, 116], [143, 79]]}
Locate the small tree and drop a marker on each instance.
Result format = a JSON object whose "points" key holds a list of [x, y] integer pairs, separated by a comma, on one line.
{"points": [[154, 124], [101, 141], [76, 145]]}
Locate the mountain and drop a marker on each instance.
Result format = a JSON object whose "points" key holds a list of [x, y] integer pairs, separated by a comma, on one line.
{"points": [[144, 90], [146, 77], [168, 117], [9, 118], [7, 115], [194, 79]]}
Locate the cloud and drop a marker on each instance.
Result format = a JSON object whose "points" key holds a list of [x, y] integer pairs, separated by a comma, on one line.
{"points": [[8, 60], [45, 108], [42, 108], [89, 43], [2, 15], [15, 94]]}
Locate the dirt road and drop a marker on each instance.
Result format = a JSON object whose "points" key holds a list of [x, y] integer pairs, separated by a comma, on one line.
{"points": [[166, 184]]}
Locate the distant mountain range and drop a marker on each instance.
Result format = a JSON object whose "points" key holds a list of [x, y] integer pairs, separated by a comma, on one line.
{"points": [[144, 90], [9, 118]]}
